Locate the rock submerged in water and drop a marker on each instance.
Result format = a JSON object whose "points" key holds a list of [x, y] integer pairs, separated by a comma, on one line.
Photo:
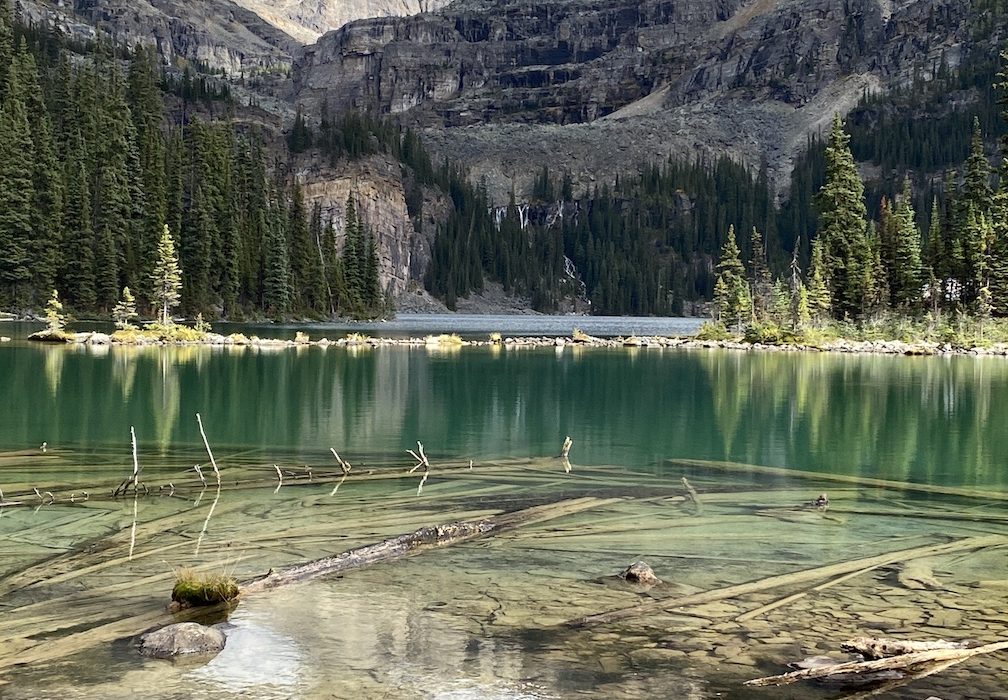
{"points": [[640, 573], [182, 639]]}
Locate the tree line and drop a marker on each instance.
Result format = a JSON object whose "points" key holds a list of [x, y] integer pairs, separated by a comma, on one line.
{"points": [[99, 153], [862, 267]]}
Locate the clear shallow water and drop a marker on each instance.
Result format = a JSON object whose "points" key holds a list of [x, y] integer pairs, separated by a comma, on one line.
{"points": [[480, 620]]}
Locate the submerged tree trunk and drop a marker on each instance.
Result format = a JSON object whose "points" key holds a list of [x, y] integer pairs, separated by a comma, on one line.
{"points": [[421, 540]]}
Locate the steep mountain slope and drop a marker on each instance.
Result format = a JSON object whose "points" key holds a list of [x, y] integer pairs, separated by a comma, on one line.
{"points": [[307, 20], [216, 34], [600, 86]]}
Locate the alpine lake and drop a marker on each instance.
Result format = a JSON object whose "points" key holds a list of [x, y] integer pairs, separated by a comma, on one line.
{"points": [[910, 451]]}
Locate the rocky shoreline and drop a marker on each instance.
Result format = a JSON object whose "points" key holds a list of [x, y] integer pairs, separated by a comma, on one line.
{"points": [[452, 341]]}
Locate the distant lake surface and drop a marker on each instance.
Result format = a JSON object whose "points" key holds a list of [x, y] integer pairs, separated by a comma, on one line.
{"points": [[479, 620], [471, 325]]}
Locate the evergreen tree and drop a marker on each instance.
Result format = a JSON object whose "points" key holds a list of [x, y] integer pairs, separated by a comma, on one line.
{"points": [[800, 312], [17, 194], [759, 274], [937, 259], [55, 318], [819, 298], [78, 275], [125, 310], [731, 293], [276, 281], [843, 223], [977, 189], [45, 246], [305, 267], [6, 43], [353, 269], [905, 275], [113, 214], [997, 258], [167, 278], [106, 269]]}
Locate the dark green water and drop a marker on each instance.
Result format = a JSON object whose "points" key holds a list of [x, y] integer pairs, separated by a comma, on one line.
{"points": [[933, 420]]}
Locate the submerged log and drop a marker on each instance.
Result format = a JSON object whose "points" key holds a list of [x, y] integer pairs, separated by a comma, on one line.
{"points": [[880, 648], [903, 666], [421, 540], [739, 467], [792, 579]]}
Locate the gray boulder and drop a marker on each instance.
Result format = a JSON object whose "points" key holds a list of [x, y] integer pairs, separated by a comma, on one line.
{"points": [[184, 638], [640, 573]]}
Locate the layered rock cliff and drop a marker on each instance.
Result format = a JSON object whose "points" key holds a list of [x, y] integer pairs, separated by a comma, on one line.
{"points": [[307, 20], [599, 86], [216, 34], [379, 194]]}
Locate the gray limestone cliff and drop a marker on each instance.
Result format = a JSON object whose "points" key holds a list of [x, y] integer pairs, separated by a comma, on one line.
{"points": [[307, 20], [215, 34], [600, 86]]}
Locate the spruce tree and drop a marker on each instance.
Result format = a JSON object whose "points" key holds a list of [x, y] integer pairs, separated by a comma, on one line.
{"points": [[112, 196], [6, 43], [937, 258], [997, 254], [819, 298], [905, 274], [45, 246], [16, 195], [276, 280], [166, 279], [731, 292], [976, 188], [843, 224], [125, 310], [106, 269], [78, 274], [759, 274]]}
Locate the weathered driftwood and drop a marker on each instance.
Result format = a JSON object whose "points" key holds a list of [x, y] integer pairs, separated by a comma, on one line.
{"points": [[27, 649], [792, 579], [421, 540], [134, 479], [787, 600], [691, 493], [840, 478], [206, 444], [903, 666], [881, 648]]}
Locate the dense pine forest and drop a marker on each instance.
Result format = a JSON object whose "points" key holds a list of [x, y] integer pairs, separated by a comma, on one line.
{"points": [[102, 146], [100, 150]]}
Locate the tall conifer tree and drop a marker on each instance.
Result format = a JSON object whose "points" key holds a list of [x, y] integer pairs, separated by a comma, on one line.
{"points": [[843, 224], [16, 194]]}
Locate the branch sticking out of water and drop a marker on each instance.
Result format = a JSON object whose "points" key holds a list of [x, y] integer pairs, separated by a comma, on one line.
{"points": [[345, 466], [422, 461], [134, 479], [206, 444], [565, 450], [279, 478], [200, 473]]}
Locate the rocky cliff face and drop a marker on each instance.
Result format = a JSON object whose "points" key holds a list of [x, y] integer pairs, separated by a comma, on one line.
{"points": [[376, 183], [600, 86], [218, 34], [307, 20]]}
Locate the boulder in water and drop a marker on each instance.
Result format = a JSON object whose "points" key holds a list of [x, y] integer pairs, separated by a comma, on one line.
{"points": [[640, 573], [182, 639]]}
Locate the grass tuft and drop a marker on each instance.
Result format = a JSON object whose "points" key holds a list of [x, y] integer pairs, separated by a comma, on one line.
{"points": [[193, 589]]}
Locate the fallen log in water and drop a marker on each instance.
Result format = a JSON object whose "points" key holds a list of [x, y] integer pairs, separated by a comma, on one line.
{"points": [[739, 467], [24, 648], [421, 540], [906, 666], [792, 579]]}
